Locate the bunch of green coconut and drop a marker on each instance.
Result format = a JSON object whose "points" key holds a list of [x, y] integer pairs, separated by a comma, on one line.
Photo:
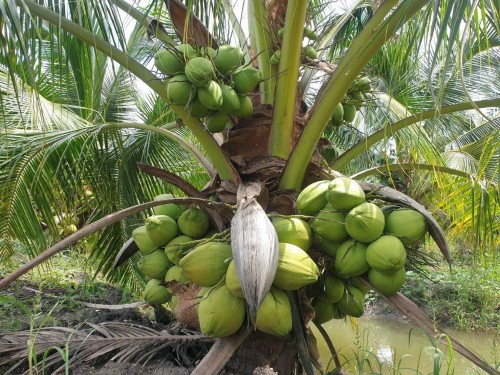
{"points": [[345, 111], [307, 51], [357, 238], [211, 84], [179, 247]]}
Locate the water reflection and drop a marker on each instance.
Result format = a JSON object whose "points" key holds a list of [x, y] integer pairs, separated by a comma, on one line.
{"points": [[391, 346]]}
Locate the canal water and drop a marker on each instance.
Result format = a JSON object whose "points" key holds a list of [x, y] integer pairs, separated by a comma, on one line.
{"points": [[393, 346]]}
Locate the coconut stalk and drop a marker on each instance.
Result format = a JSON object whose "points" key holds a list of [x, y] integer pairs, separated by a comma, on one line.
{"points": [[255, 247]]}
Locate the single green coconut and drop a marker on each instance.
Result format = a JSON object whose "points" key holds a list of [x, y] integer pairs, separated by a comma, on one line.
{"points": [[312, 198], [232, 281], [387, 284], [196, 108], [176, 248], [155, 265], [246, 107], [349, 112], [216, 121], [387, 254], [179, 90], [187, 51], [206, 264], [246, 79], [329, 224], [142, 240], [350, 259], [220, 313], [228, 58], [310, 52], [155, 293], [174, 273], [326, 246], [310, 34], [362, 84], [332, 289], [211, 95], [323, 311], [168, 62], [161, 229], [275, 58], [344, 193], [365, 222], [358, 283], [199, 71], [294, 231], [295, 269], [193, 222], [208, 52], [230, 100], [170, 209], [274, 315], [352, 302], [408, 225], [338, 113]]}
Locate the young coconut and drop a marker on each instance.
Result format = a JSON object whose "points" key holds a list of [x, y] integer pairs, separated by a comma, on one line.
{"points": [[294, 231], [193, 222], [408, 225], [365, 222], [228, 58], [161, 229], [170, 209], [329, 224], [344, 193], [142, 240], [274, 315], [350, 259], [246, 79], [155, 265], [210, 95], [295, 268], [155, 293], [199, 71], [179, 90], [312, 198], [175, 249], [387, 254], [246, 107], [353, 302], [387, 284]]}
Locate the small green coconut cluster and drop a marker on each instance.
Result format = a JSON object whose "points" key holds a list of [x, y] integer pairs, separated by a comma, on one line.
{"points": [[307, 50], [164, 238], [345, 111], [211, 84], [356, 238]]}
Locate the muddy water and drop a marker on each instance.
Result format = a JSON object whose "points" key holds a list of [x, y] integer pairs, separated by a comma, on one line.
{"points": [[391, 346]]}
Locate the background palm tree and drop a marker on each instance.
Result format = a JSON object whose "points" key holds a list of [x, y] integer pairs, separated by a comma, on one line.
{"points": [[81, 103]]}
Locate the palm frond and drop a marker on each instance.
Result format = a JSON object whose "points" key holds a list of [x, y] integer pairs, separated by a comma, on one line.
{"points": [[125, 342]]}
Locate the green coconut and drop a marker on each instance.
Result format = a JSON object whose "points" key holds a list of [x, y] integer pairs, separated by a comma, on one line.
{"points": [[199, 71], [210, 95], [161, 229], [350, 259], [338, 113], [179, 90], [323, 311], [274, 315], [142, 240], [220, 313], [176, 248], [196, 108], [216, 121], [155, 293], [155, 265], [230, 100], [232, 281], [387, 284], [344, 193], [193, 222], [310, 33], [329, 224], [358, 283], [186, 50], [352, 302], [170, 209], [228, 58], [362, 84], [332, 289], [246, 79], [275, 58], [208, 52], [326, 246], [365, 222], [174, 273], [387, 254], [246, 107], [408, 225], [295, 269], [310, 52], [349, 113], [168, 62], [312, 198], [294, 231], [206, 264]]}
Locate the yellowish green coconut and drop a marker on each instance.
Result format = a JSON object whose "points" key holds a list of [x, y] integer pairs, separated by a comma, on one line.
{"points": [[155, 293], [295, 269], [294, 231], [274, 315]]}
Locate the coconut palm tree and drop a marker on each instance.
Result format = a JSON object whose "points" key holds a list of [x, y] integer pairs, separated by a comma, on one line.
{"points": [[82, 103]]}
